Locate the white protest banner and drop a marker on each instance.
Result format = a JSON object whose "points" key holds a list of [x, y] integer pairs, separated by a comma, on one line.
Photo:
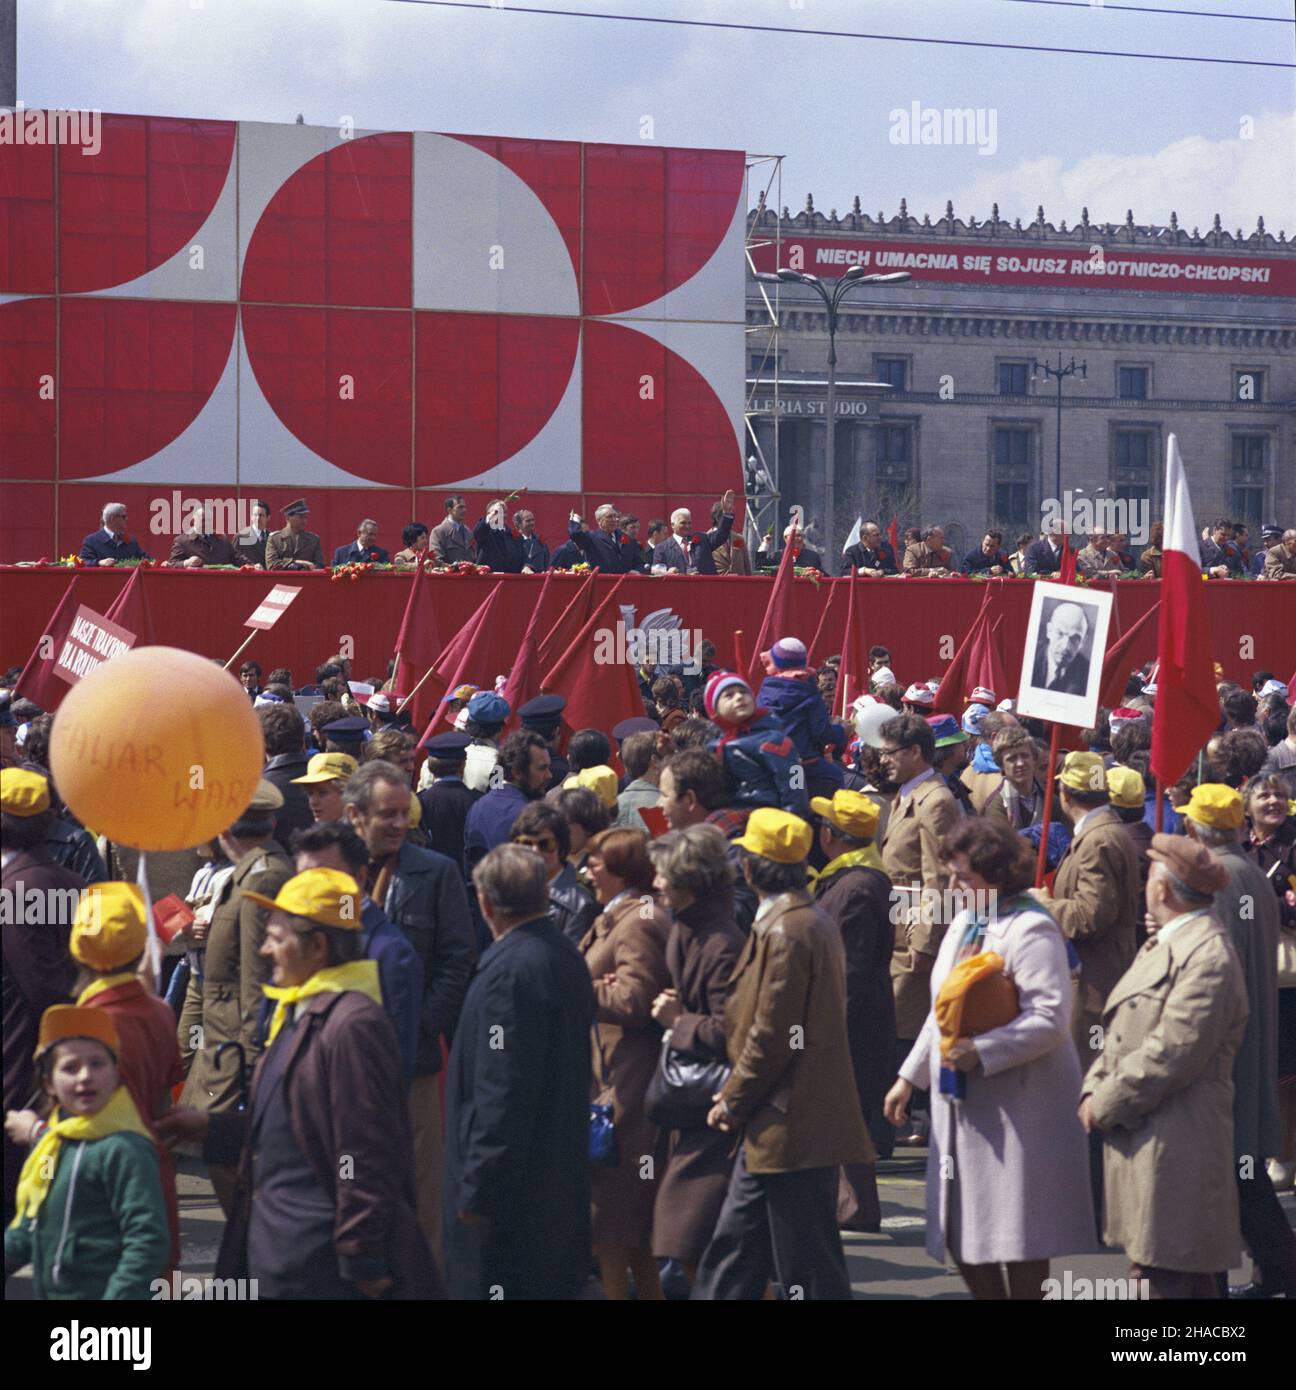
{"points": [[273, 606], [91, 640]]}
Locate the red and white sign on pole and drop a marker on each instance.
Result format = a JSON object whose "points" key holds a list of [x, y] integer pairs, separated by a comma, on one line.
{"points": [[273, 606], [91, 640]]}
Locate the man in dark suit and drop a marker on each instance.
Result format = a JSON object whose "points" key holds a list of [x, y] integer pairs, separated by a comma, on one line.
{"points": [[364, 549], [517, 1174], [1220, 557], [193, 551], [535, 553], [496, 544], [803, 557], [604, 547], [111, 544], [250, 545], [1060, 663], [450, 541], [988, 558], [872, 555], [1044, 556], [685, 552], [287, 760]]}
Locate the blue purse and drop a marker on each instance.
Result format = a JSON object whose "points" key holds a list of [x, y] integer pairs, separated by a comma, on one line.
{"points": [[603, 1149]]}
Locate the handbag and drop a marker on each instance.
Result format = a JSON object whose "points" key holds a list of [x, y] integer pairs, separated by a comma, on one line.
{"points": [[680, 1092], [603, 1149]]}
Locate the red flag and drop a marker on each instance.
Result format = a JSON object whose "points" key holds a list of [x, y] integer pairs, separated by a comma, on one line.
{"points": [[524, 675], [476, 655], [130, 608], [599, 694], [971, 655], [852, 677], [1118, 661], [775, 622], [893, 535], [38, 682], [569, 622], [1187, 707], [416, 649], [1068, 561], [816, 653]]}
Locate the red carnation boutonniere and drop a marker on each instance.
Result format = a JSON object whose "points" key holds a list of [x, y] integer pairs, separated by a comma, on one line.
{"points": [[738, 543]]}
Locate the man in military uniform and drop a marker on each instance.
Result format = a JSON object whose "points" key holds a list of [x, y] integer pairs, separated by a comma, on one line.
{"points": [[233, 968], [924, 812], [294, 548]]}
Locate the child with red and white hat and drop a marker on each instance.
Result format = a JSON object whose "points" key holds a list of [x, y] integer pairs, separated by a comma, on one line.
{"points": [[758, 757]]}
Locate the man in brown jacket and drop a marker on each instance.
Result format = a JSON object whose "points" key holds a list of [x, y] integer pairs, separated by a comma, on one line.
{"points": [[325, 1142], [1096, 902], [792, 1088], [1280, 562], [233, 968], [928, 557], [924, 812], [294, 548]]}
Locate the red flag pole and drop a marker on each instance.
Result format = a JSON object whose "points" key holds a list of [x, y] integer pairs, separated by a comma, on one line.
{"points": [[1041, 863], [1159, 814], [740, 663]]}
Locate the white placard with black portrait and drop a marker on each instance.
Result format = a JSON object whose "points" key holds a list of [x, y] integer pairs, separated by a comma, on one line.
{"points": [[1066, 640]]}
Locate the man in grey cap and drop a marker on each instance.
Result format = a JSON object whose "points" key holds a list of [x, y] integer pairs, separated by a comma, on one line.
{"points": [[294, 548], [1270, 535], [225, 990]]}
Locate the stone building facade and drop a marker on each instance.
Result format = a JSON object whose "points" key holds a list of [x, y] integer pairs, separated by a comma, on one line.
{"points": [[965, 430]]}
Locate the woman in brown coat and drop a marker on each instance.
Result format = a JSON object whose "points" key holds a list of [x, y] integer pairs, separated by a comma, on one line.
{"points": [[695, 877], [625, 950]]}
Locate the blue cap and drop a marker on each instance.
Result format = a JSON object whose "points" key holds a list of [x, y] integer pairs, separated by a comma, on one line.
{"points": [[542, 714], [636, 724], [450, 748], [488, 708], [349, 730], [297, 508]]}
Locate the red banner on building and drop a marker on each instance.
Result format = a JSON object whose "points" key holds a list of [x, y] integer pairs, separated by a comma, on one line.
{"points": [[91, 640], [1048, 266]]}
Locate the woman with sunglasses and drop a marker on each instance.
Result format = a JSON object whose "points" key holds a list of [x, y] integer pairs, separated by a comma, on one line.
{"points": [[541, 827], [625, 950]]}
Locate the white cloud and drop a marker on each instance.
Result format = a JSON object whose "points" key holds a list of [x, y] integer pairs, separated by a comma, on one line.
{"points": [[1196, 177]]}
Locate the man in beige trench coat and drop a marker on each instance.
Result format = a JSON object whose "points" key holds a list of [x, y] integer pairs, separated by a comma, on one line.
{"points": [[1162, 1090]]}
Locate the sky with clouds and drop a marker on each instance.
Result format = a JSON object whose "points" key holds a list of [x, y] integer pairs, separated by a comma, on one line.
{"points": [[1069, 130]]}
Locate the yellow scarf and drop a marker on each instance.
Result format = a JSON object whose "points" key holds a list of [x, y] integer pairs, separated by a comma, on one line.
{"points": [[868, 857], [359, 975], [119, 1116], [100, 986]]}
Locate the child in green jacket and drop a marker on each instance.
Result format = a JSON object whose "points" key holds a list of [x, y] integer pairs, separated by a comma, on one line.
{"points": [[91, 1217]]}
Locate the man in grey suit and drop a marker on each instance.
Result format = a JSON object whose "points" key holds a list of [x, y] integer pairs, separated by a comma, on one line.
{"points": [[451, 541], [685, 552], [1060, 663]]}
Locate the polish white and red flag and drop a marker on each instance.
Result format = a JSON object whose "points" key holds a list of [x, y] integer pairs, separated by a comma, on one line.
{"points": [[271, 608], [1187, 707]]}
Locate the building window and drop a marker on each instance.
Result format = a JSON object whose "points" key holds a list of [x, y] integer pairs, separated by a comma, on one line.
{"points": [[894, 455], [1132, 383], [1010, 484], [1132, 470], [762, 363], [1013, 378], [894, 370], [1249, 384], [1249, 475]]}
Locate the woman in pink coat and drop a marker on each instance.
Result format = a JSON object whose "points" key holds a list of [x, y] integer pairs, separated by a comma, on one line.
{"points": [[1007, 1167]]}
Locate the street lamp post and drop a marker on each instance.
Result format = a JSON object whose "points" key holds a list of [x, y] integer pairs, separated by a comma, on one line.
{"points": [[1059, 372], [832, 298]]}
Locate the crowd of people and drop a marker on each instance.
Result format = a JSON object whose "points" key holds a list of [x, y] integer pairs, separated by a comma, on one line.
{"points": [[620, 544], [521, 1011]]}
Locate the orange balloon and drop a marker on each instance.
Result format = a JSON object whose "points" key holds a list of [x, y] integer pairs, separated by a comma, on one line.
{"points": [[158, 749]]}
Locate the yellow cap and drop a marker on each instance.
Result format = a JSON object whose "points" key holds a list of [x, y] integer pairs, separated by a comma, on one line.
{"points": [[1084, 772], [416, 810], [326, 896], [853, 813], [602, 781], [1125, 787], [776, 835], [109, 930], [1212, 803], [327, 767], [63, 1021], [23, 792]]}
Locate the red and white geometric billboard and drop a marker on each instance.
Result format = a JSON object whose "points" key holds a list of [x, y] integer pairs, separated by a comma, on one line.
{"points": [[367, 318]]}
